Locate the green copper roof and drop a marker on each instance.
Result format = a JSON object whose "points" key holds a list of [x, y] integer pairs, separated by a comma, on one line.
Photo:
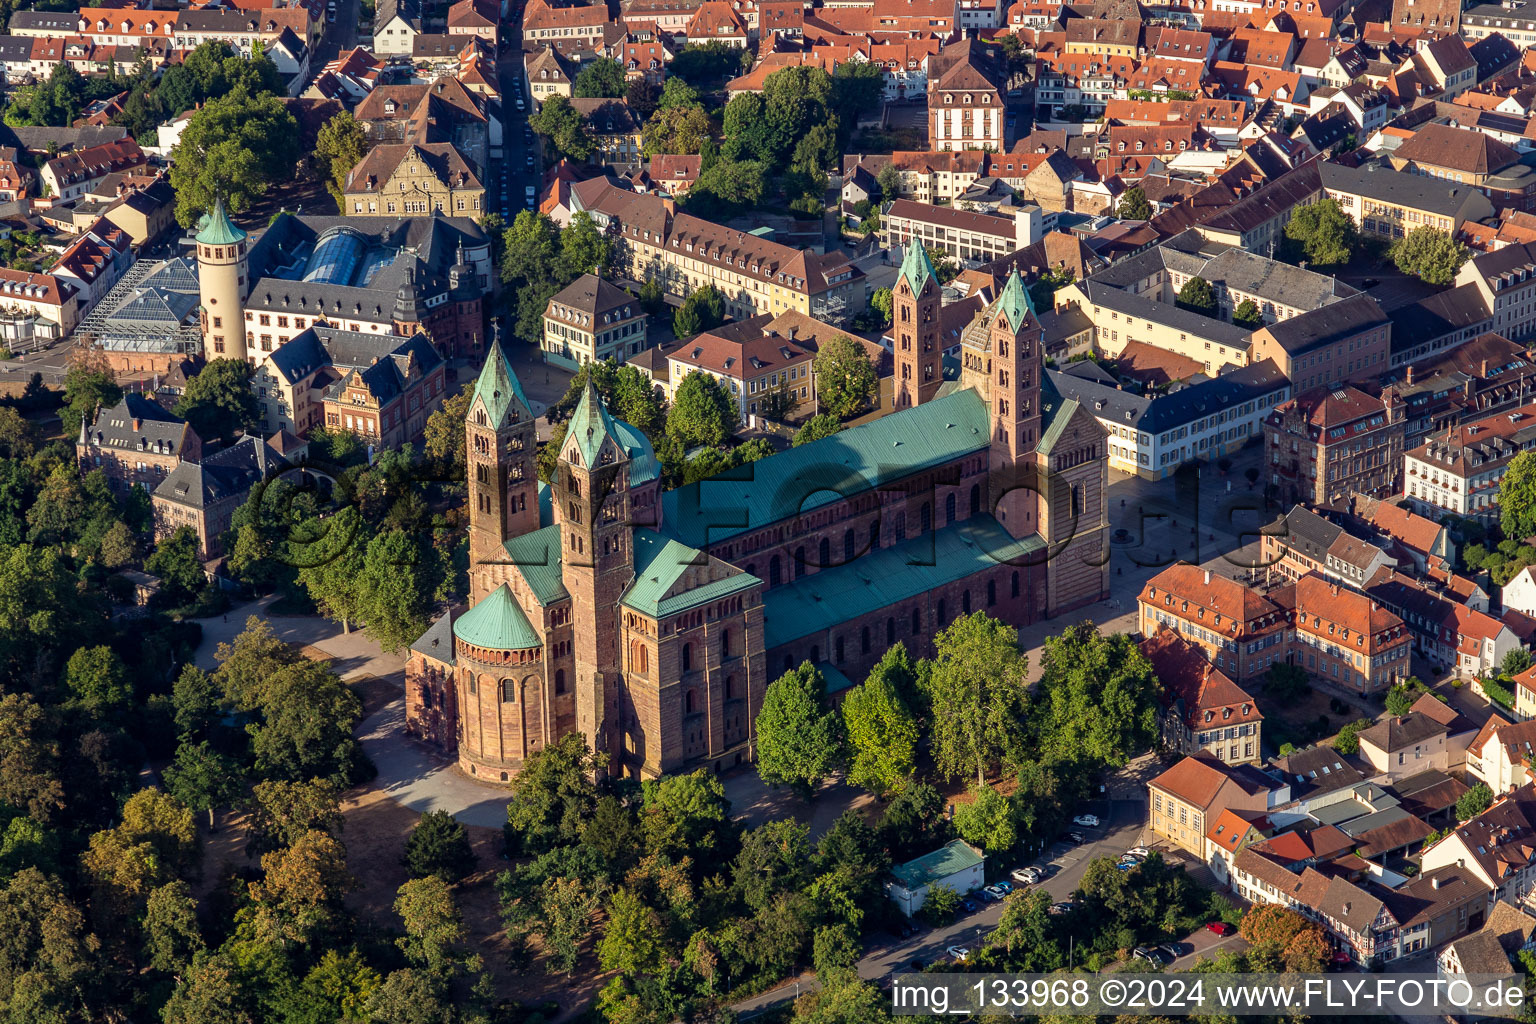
{"points": [[849, 462], [936, 866], [659, 563], [218, 229], [916, 267], [537, 558], [1055, 413], [590, 425], [890, 576], [498, 385], [497, 623], [1014, 303]]}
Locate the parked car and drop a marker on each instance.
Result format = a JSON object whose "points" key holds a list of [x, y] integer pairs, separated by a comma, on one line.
{"points": [[960, 953], [1086, 820], [1007, 887], [988, 895], [969, 905], [1126, 865], [1065, 907], [995, 892], [1076, 838], [1027, 876], [1139, 851], [1143, 953], [1220, 928], [1167, 952]]}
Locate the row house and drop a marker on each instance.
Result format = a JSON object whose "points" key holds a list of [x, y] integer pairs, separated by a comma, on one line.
{"points": [[1459, 471], [1446, 632], [1242, 632], [1199, 789], [71, 175], [1343, 636], [1500, 754], [1325, 445], [1498, 847], [36, 309], [1389, 204], [904, 67], [1302, 542], [1203, 710], [1506, 282], [568, 29]]}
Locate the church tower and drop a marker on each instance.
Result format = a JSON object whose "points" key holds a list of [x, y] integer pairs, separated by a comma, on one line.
{"points": [[915, 313], [1017, 367], [501, 467], [222, 284], [591, 491]]}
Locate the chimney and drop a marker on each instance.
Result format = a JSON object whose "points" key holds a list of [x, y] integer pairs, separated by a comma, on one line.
{"points": [[136, 424], [1434, 883], [1484, 372], [1207, 577], [669, 205], [1408, 375]]}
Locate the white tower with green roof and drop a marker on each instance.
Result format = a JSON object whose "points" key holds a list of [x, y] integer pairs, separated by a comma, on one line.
{"points": [[223, 281]]}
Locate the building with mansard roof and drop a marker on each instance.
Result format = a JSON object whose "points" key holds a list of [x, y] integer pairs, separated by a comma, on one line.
{"points": [[650, 622]]}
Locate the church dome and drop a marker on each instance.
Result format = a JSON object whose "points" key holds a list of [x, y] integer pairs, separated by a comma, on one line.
{"points": [[497, 624]]}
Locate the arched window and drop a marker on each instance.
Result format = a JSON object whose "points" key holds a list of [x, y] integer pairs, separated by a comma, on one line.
{"points": [[975, 498], [725, 643], [874, 535], [942, 620], [890, 630], [815, 653], [789, 663], [864, 640], [839, 645], [965, 603], [926, 518], [509, 691], [1015, 583], [800, 561], [917, 621], [991, 593], [751, 568], [848, 545], [688, 702], [559, 681], [775, 577], [687, 657], [949, 508], [823, 554]]}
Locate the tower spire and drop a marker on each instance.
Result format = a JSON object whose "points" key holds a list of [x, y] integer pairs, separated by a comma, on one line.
{"points": [[916, 268]]}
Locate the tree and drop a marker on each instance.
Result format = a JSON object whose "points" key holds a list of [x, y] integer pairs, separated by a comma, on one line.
{"points": [[171, 934], [531, 249], [87, 388], [1517, 497], [702, 411], [439, 846], [565, 129], [634, 941], [1101, 700], [1474, 802], [687, 816], [1287, 683], [1429, 254], [729, 187], [817, 427], [204, 779], [338, 988], [175, 561], [281, 811], [799, 741], [444, 433], [568, 906], [1516, 661], [306, 724], [1134, 205], [29, 758], [675, 129], [1347, 741], [881, 302], [1247, 315], [220, 400], [1197, 297], [1308, 951], [882, 733], [433, 924], [977, 694], [702, 310], [889, 180], [1322, 233], [209, 990], [989, 820], [941, 904], [118, 547], [1272, 923], [331, 568], [553, 795], [394, 590], [845, 378], [154, 844], [234, 147], [583, 248], [97, 682], [339, 145], [300, 893], [601, 79]]}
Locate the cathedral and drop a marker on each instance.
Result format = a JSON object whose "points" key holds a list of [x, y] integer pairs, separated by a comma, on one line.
{"points": [[651, 621]]}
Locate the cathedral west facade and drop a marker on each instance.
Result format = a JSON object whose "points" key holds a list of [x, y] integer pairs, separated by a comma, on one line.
{"points": [[652, 621]]}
